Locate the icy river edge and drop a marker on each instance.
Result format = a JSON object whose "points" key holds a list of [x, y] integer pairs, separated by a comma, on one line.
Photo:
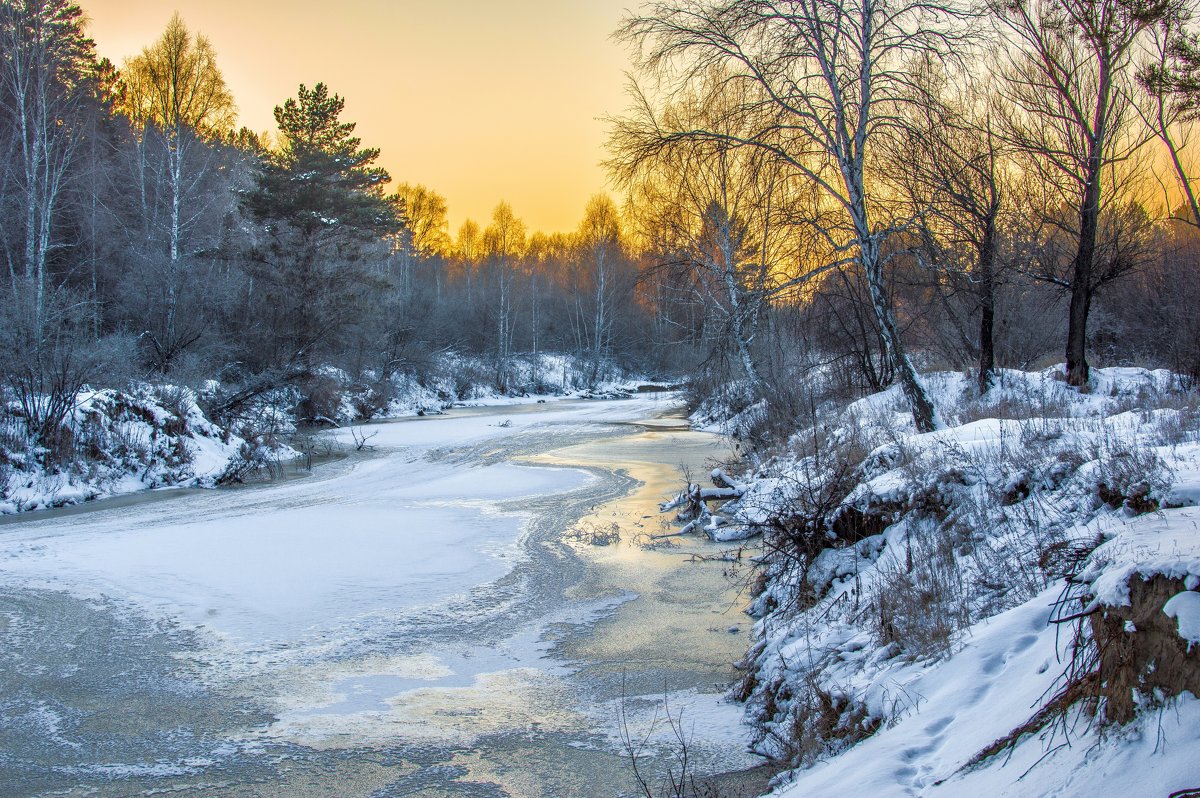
{"points": [[408, 623]]}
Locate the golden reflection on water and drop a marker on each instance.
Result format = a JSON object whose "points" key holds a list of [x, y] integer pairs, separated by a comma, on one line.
{"points": [[532, 769], [299, 778], [535, 721], [517, 700], [685, 608]]}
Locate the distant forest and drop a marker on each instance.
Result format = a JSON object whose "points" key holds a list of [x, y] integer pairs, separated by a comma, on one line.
{"points": [[865, 190]]}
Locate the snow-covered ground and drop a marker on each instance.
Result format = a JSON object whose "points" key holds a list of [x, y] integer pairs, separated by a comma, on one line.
{"points": [[393, 533], [916, 633], [138, 439], [411, 595], [993, 683], [155, 436]]}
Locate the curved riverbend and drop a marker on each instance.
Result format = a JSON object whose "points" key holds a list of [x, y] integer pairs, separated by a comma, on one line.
{"points": [[411, 622]]}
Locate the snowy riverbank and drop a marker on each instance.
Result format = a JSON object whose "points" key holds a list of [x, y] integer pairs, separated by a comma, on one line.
{"points": [[938, 612], [156, 436]]}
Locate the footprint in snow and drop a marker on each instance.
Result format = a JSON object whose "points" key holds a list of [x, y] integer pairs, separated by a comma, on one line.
{"points": [[938, 726], [915, 752]]}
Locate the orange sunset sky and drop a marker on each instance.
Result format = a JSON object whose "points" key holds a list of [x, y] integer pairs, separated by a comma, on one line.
{"points": [[481, 100]]}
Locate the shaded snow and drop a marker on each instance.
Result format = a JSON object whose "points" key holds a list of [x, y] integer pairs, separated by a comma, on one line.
{"points": [[393, 534], [1185, 609], [1027, 468], [1164, 543], [133, 442], [156, 436], [340, 600]]}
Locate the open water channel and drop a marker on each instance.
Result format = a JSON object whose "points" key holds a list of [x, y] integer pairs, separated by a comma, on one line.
{"points": [[414, 620]]}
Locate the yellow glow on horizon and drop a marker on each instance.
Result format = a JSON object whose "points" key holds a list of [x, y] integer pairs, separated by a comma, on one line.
{"points": [[480, 100]]}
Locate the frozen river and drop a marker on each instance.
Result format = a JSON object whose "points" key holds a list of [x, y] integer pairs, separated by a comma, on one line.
{"points": [[408, 621]]}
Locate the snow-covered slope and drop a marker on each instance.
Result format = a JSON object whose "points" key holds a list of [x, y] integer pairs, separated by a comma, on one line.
{"points": [[938, 612], [1001, 671], [119, 442]]}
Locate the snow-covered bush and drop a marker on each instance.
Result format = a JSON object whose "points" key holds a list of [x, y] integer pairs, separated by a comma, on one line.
{"points": [[332, 396], [112, 441], [883, 548], [1130, 473]]}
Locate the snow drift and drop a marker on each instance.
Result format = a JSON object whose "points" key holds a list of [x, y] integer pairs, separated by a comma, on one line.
{"points": [[1006, 606]]}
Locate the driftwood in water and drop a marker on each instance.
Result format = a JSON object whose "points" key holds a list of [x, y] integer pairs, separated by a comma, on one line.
{"points": [[693, 503]]}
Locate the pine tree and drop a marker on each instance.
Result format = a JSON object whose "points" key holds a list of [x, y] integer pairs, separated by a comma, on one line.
{"points": [[320, 181], [321, 207]]}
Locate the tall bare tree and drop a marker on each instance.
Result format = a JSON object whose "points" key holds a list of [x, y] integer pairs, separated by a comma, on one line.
{"points": [[723, 212], [1069, 92], [45, 61], [504, 242], [831, 79], [467, 253], [424, 238], [598, 241], [1170, 79], [951, 165], [175, 95]]}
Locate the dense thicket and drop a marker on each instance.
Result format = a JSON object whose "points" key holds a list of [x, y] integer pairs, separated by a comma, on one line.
{"points": [[810, 185]]}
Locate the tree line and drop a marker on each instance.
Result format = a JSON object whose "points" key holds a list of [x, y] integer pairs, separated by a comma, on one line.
{"points": [[867, 188], [896, 184], [143, 236]]}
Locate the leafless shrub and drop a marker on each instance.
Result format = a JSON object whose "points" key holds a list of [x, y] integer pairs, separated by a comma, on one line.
{"points": [[178, 402], [678, 779], [316, 447], [468, 376], [361, 438], [802, 720], [44, 363], [809, 513], [647, 542], [920, 600], [593, 534], [13, 445], [321, 399], [1130, 473], [252, 458]]}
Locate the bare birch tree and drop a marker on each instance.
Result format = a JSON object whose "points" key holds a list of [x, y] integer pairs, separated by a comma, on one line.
{"points": [[467, 252], [44, 62], [424, 238], [830, 80], [504, 240], [598, 241], [720, 208], [176, 95]]}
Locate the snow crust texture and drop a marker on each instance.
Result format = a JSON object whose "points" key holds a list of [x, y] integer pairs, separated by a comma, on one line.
{"points": [[930, 606]]}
